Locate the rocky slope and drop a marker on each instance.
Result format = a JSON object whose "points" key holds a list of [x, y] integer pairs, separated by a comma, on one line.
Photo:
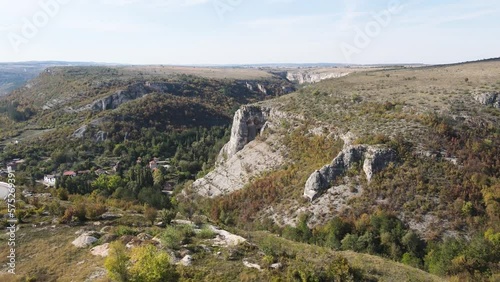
{"points": [[374, 159], [248, 153]]}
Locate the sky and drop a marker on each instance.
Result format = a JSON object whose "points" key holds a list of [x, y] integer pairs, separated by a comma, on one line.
{"points": [[201, 32]]}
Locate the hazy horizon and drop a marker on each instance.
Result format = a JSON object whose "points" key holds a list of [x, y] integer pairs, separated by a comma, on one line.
{"points": [[229, 32]]}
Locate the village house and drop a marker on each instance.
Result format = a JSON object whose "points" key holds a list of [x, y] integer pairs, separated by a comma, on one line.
{"points": [[49, 180], [70, 173]]}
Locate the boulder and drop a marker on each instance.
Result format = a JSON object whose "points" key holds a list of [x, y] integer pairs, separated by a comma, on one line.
{"points": [[101, 250], [84, 241], [186, 260]]}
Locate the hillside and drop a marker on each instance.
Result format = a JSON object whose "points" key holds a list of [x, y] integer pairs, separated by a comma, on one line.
{"points": [[385, 174], [419, 145]]}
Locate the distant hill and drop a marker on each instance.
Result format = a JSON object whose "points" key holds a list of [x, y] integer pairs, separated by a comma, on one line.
{"points": [[15, 75]]}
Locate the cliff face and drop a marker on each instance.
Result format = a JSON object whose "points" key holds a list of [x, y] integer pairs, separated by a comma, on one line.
{"points": [[374, 160], [245, 155], [115, 100], [302, 77], [248, 122]]}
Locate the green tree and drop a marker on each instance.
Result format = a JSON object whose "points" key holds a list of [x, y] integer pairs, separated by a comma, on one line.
{"points": [[117, 262], [152, 265]]}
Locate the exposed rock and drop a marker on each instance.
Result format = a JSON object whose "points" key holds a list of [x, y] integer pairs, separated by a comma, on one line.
{"points": [[102, 250], [278, 265], [262, 88], [251, 265], [375, 159], [225, 238], [235, 172], [302, 77], [186, 260], [243, 157], [110, 216], [84, 241], [144, 237], [96, 275], [79, 132], [115, 100], [489, 99], [247, 123]]}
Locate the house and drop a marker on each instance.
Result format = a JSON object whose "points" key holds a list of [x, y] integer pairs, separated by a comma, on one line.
{"points": [[83, 172], [49, 180], [69, 173]]}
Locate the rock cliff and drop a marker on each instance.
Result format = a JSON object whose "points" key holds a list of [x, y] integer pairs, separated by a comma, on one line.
{"points": [[374, 159], [302, 77], [244, 156]]}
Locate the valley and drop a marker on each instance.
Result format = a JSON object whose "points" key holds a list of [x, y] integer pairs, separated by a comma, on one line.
{"points": [[362, 173]]}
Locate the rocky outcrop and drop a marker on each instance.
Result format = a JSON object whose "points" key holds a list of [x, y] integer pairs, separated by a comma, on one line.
{"points": [[115, 100], [374, 159], [489, 99], [243, 157], [248, 121], [91, 131], [302, 77]]}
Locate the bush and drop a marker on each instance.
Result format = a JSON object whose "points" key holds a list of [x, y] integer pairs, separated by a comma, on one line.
{"points": [[166, 216], [171, 237], [94, 211], [152, 265], [123, 230], [68, 215], [117, 262], [150, 214]]}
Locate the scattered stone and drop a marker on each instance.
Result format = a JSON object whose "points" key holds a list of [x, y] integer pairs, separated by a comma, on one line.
{"points": [[251, 265], [187, 260], [110, 216], [84, 241], [489, 99], [278, 265], [225, 238], [144, 237], [102, 250]]}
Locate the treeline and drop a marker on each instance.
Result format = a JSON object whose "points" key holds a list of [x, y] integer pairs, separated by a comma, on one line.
{"points": [[385, 235]]}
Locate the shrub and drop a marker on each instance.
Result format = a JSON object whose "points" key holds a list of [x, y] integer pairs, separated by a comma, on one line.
{"points": [[117, 262], [152, 265], [172, 237], [94, 211], [166, 216], [150, 214]]}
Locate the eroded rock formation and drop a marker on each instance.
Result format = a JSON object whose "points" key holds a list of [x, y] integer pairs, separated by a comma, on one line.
{"points": [[374, 159]]}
